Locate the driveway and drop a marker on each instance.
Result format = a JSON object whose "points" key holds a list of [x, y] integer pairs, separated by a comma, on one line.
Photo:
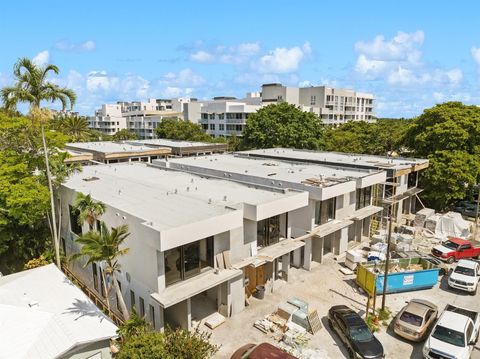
{"points": [[323, 287]]}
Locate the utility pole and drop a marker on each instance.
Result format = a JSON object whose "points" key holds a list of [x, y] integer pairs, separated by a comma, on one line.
{"points": [[389, 241]]}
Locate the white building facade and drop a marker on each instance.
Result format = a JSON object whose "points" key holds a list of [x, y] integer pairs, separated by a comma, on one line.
{"points": [[332, 105]]}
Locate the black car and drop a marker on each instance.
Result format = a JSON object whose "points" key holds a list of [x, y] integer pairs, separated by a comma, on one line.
{"points": [[353, 331]]}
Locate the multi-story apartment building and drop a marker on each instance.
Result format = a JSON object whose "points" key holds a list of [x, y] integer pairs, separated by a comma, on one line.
{"points": [[205, 230], [332, 105], [142, 117], [400, 188], [225, 116]]}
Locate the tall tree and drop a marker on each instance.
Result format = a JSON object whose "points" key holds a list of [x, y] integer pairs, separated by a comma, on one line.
{"points": [[177, 129], [104, 246], [449, 135], [32, 87], [124, 134], [283, 125]]}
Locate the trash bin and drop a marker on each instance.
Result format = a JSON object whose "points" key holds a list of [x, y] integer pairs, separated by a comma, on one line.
{"points": [[260, 293]]}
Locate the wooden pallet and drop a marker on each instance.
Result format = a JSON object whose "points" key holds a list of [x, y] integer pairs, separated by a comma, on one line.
{"points": [[314, 321]]}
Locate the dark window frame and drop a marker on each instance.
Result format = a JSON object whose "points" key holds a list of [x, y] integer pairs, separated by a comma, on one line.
{"points": [[328, 206]]}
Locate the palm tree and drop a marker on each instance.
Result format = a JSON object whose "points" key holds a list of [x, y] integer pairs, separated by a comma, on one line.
{"points": [[32, 87], [75, 127], [89, 209], [104, 246]]}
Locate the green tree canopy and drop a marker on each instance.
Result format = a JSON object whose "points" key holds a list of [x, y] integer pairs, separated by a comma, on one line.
{"points": [[170, 344], [124, 134], [283, 125], [176, 129]]}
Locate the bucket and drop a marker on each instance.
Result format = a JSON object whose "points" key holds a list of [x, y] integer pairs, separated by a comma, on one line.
{"points": [[260, 293]]}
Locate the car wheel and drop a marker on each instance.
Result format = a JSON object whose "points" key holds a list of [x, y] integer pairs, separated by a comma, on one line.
{"points": [[475, 291], [450, 260]]}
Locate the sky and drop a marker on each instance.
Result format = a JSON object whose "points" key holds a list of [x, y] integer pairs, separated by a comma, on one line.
{"points": [[409, 54]]}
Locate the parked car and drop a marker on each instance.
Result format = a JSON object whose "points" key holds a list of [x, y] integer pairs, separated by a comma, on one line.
{"points": [[465, 276], [354, 333], [466, 208], [454, 336], [260, 351], [415, 320], [455, 249]]}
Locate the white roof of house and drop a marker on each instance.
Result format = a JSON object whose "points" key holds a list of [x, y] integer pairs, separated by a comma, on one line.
{"points": [[287, 171], [109, 147], [167, 199], [339, 158], [44, 315]]}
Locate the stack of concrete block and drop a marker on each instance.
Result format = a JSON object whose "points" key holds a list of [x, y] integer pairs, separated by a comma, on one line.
{"points": [[352, 259], [422, 216]]}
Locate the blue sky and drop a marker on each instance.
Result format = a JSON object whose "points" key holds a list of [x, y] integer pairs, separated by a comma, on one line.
{"points": [[410, 54]]}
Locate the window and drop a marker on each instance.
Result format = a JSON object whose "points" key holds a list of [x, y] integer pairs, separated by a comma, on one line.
{"points": [[95, 276], [221, 116], [363, 197], [238, 116], [325, 211], [212, 116], [212, 127], [205, 126], [152, 315], [412, 179], [132, 300], [116, 295], [268, 231], [230, 116], [188, 260], [75, 227], [204, 116], [221, 127], [142, 307], [313, 100]]}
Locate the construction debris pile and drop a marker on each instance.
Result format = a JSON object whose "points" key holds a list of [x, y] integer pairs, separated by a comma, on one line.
{"points": [[292, 325]]}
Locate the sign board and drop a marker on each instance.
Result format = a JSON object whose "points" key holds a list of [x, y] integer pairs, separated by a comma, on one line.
{"points": [[408, 279]]}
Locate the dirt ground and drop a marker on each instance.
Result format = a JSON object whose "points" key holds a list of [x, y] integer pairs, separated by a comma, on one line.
{"points": [[323, 287]]}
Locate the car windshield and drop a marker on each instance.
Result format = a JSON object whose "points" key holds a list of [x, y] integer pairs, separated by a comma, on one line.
{"points": [[411, 318], [450, 245], [449, 336], [465, 271], [360, 333]]}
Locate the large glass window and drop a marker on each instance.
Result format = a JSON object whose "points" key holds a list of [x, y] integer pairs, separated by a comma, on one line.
{"points": [[325, 211], [363, 197], [188, 260], [74, 226], [268, 231], [412, 179]]}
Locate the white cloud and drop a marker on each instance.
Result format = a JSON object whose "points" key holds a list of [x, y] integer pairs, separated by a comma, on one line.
{"points": [[283, 60], [476, 55], [41, 58], [66, 45], [201, 56], [403, 47], [304, 83], [365, 65], [185, 77], [100, 80]]}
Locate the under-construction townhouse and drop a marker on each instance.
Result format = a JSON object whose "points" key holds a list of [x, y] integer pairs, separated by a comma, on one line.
{"points": [[205, 231]]}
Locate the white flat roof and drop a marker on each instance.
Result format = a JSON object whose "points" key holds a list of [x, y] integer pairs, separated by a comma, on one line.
{"points": [[43, 315], [287, 171], [176, 143], [167, 199], [339, 158], [109, 147]]}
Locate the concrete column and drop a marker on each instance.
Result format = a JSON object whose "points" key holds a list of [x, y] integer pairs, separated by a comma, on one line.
{"points": [[307, 256], [297, 258], [285, 266], [342, 242], [189, 313], [237, 295]]}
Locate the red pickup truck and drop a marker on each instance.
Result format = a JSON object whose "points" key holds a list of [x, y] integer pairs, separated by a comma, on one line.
{"points": [[455, 249]]}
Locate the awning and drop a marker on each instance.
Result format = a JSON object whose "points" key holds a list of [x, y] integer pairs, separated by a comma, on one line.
{"points": [[330, 227], [193, 286], [279, 249], [365, 212]]}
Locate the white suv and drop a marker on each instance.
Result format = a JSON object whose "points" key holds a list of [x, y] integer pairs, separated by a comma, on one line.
{"points": [[465, 276]]}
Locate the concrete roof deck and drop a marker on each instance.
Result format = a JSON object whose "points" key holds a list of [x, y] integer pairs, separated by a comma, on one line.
{"points": [[109, 147], [176, 143], [167, 199], [274, 169], [341, 159]]}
